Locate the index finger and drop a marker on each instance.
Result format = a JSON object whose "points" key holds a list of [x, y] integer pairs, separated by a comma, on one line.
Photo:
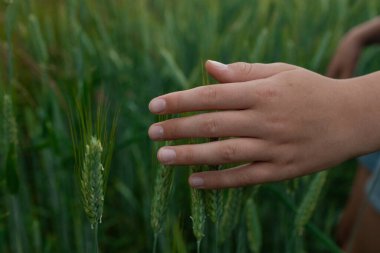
{"points": [[228, 96]]}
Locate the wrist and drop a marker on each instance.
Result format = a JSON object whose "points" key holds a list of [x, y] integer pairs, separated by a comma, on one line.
{"points": [[362, 111]]}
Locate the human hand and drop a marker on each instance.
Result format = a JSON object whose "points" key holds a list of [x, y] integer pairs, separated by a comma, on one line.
{"points": [[350, 47], [281, 120], [346, 56]]}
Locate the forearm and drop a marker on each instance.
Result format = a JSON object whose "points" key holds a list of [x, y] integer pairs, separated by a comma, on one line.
{"points": [[368, 33], [365, 112]]}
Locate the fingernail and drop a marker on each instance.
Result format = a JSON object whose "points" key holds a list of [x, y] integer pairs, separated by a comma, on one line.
{"points": [[218, 65], [156, 132], [157, 105], [196, 182], [166, 155]]}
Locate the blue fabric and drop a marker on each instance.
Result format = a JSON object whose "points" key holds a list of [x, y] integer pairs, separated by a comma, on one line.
{"points": [[372, 163], [373, 188]]}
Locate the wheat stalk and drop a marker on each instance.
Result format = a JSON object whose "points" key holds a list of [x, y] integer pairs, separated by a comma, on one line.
{"points": [[93, 146], [10, 145], [254, 235], [162, 189]]}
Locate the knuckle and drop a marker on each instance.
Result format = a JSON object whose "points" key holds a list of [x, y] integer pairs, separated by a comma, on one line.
{"points": [[208, 94], [288, 171], [172, 131], [171, 128], [235, 179], [247, 68], [279, 64], [244, 179], [287, 158], [286, 78], [228, 153], [210, 127], [174, 102], [266, 92], [188, 156]]}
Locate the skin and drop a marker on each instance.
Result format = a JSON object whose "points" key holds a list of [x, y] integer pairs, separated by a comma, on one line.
{"points": [[285, 122], [348, 52], [352, 210], [365, 235], [343, 65]]}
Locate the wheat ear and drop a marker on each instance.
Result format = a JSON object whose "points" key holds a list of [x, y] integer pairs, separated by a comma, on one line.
{"points": [[309, 202]]}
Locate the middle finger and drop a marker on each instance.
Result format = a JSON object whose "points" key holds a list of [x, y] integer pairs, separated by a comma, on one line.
{"points": [[214, 124]]}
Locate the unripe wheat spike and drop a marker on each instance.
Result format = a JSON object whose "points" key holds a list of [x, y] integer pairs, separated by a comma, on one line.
{"points": [[198, 212], [213, 200], [161, 193], [92, 181], [309, 202], [231, 213]]}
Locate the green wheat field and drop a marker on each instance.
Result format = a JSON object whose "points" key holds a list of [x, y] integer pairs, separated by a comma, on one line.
{"points": [[77, 169]]}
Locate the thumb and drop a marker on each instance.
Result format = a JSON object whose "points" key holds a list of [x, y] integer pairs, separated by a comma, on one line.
{"points": [[241, 71]]}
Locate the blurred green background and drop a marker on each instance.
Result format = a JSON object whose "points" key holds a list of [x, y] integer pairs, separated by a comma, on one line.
{"points": [[52, 52]]}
